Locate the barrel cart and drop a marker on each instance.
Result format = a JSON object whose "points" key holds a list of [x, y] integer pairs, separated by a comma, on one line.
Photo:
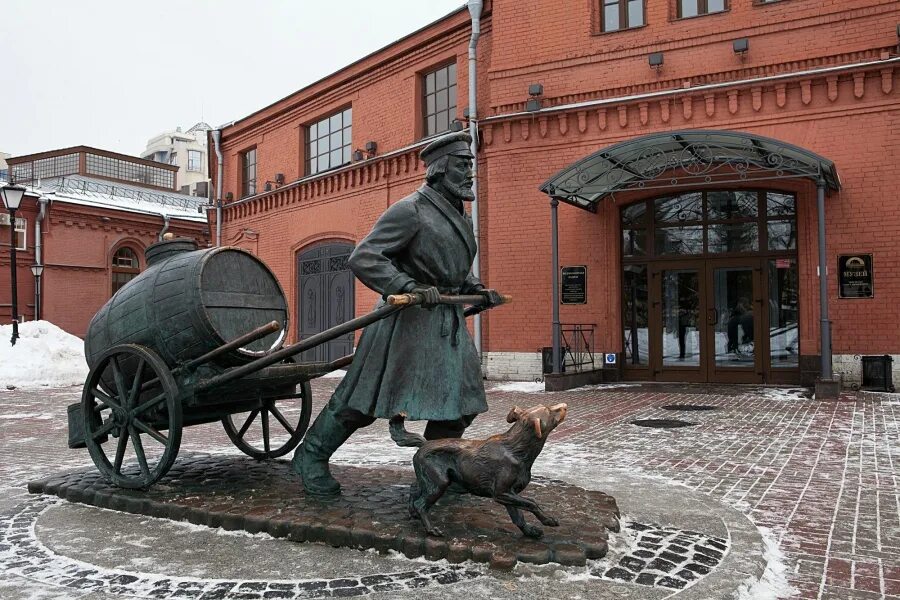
{"points": [[197, 338]]}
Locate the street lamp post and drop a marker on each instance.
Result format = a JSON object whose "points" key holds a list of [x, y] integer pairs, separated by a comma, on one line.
{"points": [[37, 270], [12, 198]]}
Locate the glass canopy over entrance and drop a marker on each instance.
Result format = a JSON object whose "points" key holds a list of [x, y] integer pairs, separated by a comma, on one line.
{"points": [[685, 159], [712, 281]]}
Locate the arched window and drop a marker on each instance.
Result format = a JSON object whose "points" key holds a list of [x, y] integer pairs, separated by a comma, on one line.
{"points": [[125, 267]]}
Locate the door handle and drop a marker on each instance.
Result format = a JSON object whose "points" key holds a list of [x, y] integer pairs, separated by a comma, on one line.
{"points": [[712, 316]]}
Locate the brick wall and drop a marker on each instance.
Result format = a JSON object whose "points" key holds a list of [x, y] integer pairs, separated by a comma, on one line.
{"points": [[817, 76]]}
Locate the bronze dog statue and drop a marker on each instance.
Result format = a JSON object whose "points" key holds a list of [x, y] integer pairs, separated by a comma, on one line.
{"points": [[498, 467]]}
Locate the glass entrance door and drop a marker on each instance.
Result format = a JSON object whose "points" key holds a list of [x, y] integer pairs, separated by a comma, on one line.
{"points": [[679, 336], [734, 319]]}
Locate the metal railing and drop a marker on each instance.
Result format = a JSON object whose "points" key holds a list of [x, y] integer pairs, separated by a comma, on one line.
{"points": [[577, 346]]}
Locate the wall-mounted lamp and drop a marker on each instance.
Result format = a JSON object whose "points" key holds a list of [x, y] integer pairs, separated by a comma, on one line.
{"points": [[535, 90], [279, 178], [229, 196], [369, 152], [656, 61], [456, 125], [741, 47]]}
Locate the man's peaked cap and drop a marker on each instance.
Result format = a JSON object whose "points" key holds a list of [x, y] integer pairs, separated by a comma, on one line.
{"points": [[456, 144]]}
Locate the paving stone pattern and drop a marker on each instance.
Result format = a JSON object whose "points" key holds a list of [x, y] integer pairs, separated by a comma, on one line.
{"points": [[22, 554], [666, 557], [822, 477], [371, 512]]}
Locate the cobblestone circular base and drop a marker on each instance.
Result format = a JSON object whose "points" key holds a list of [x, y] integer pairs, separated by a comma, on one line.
{"points": [[240, 493]]}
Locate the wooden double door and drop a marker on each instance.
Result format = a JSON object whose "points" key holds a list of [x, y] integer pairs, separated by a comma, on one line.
{"points": [[708, 321]]}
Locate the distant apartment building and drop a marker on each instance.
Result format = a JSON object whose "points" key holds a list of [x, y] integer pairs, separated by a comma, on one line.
{"points": [[4, 169], [186, 150]]}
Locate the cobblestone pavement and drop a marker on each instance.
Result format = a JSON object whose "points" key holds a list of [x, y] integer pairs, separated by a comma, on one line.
{"points": [[822, 479]]}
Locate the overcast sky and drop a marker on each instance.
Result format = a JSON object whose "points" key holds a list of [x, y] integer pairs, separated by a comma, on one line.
{"points": [[114, 73]]}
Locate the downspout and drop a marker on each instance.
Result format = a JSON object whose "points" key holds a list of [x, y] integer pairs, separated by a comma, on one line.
{"points": [[475, 8], [217, 138], [43, 201], [165, 228]]}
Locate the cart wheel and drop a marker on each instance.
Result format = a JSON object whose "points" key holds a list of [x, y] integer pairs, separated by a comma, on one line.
{"points": [[130, 398], [267, 432]]}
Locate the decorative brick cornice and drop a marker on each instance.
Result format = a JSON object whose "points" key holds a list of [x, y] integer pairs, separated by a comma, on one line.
{"points": [[694, 106]]}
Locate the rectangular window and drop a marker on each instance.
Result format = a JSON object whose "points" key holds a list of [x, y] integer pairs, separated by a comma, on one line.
{"points": [[693, 8], [439, 107], [21, 229], [194, 157], [329, 142], [621, 14], [248, 173]]}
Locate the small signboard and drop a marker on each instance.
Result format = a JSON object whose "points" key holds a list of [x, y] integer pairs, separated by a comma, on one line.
{"points": [[574, 285], [610, 358], [855, 278]]}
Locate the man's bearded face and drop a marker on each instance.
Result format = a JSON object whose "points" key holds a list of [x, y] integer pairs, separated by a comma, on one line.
{"points": [[458, 178]]}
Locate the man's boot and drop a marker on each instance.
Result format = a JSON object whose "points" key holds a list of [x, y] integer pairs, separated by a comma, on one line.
{"points": [[326, 435]]}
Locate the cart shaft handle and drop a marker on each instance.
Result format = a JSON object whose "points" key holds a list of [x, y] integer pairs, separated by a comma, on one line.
{"points": [[414, 298]]}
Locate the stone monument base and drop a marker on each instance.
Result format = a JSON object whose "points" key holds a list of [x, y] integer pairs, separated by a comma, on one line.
{"points": [[238, 493]]}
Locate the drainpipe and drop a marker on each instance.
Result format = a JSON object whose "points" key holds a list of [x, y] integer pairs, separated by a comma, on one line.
{"points": [[825, 322], [554, 293], [475, 8], [38, 253], [165, 228], [217, 138]]}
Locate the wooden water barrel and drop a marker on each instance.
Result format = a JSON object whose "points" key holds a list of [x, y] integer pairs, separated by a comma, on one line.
{"points": [[191, 301]]}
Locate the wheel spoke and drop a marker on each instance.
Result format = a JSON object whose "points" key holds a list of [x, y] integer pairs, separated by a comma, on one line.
{"points": [[107, 401], [103, 429], [265, 430], [248, 423], [136, 384], [120, 450], [151, 432], [117, 375], [280, 418], [149, 404], [139, 451]]}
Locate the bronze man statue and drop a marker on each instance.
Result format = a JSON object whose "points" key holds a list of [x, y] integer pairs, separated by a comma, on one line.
{"points": [[420, 361]]}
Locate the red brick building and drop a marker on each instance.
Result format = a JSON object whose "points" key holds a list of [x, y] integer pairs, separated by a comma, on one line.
{"points": [[700, 250], [86, 218]]}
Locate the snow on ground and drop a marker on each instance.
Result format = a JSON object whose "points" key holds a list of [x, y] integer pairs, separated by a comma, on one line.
{"points": [[339, 374], [774, 583], [44, 356], [527, 387]]}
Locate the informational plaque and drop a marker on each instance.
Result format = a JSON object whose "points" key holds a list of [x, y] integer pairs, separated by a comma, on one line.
{"points": [[855, 278], [574, 285]]}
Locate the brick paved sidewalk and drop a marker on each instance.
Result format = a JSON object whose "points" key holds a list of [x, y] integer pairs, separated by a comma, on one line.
{"points": [[822, 477]]}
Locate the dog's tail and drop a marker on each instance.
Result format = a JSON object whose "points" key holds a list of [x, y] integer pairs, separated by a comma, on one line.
{"points": [[401, 436]]}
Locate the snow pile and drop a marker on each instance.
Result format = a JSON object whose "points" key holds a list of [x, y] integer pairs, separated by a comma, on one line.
{"points": [[339, 374], [527, 387], [774, 583], [44, 355]]}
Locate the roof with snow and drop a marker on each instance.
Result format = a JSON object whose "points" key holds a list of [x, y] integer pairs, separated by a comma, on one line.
{"points": [[77, 189]]}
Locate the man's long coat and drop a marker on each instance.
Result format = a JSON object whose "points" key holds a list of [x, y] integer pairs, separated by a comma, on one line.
{"points": [[418, 361]]}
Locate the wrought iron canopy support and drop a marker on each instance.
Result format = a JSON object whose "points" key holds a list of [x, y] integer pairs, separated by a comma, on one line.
{"points": [[554, 251]]}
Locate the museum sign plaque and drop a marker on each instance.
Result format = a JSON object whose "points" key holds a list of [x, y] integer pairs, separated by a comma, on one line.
{"points": [[574, 285], [855, 276]]}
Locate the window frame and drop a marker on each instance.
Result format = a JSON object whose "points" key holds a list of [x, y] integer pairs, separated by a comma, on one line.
{"points": [[346, 149], [451, 109], [199, 156], [116, 269], [248, 185], [701, 5], [623, 15], [21, 230]]}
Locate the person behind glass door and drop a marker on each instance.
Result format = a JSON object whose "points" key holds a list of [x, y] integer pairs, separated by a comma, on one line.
{"points": [[741, 315]]}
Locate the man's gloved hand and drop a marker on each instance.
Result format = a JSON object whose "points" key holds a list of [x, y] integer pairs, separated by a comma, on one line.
{"points": [[431, 295], [491, 297]]}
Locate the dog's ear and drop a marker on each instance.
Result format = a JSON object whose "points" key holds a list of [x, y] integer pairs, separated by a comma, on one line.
{"points": [[537, 427], [514, 413]]}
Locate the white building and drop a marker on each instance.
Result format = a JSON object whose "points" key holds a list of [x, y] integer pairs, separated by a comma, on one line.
{"points": [[4, 169], [187, 150]]}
